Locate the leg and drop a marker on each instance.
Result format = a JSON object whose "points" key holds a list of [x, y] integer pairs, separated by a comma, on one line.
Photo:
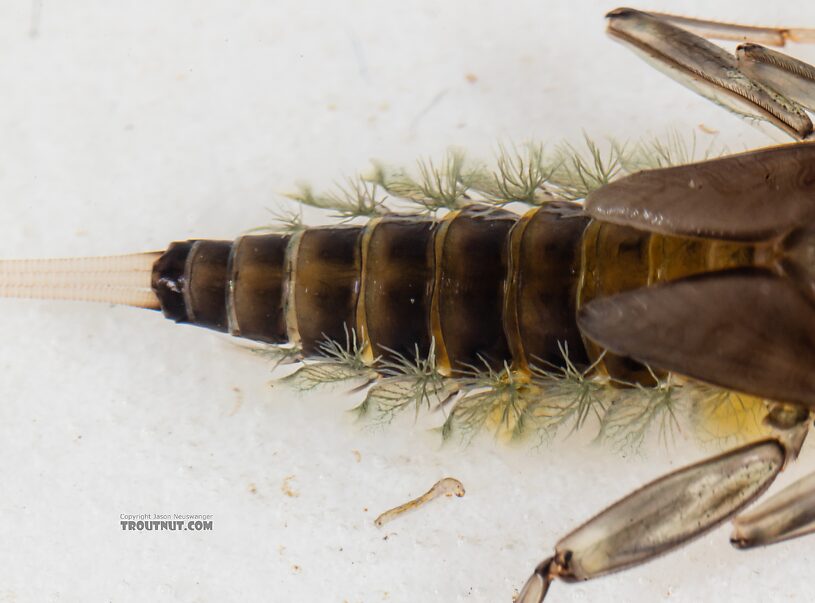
{"points": [[771, 36], [788, 514], [791, 77], [660, 516], [683, 505], [769, 90], [791, 512]]}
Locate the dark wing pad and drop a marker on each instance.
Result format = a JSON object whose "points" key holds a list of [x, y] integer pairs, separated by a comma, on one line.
{"points": [[749, 197], [747, 330]]}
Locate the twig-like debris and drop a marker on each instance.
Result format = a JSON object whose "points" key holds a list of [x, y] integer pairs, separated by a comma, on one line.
{"points": [[447, 486]]}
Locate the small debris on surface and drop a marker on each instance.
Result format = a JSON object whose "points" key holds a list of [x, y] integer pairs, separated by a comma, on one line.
{"points": [[447, 486], [287, 489], [238, 401]]}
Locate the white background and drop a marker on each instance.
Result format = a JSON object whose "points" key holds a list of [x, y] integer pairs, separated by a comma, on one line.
{"points": [[124, 126]]}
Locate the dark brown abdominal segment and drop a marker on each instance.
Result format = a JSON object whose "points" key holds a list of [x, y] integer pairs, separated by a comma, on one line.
{"points": [[258, 279], [205, 293], [398, 287], [169, 280], [326, 285], [544, 281], [190, 280], [471, 280]]}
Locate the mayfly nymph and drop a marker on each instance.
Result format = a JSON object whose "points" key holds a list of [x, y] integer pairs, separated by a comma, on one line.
{"points": [[614, 293], [623, 281]]}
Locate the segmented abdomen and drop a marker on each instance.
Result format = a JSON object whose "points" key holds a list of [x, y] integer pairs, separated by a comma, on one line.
{"points": [[486, 285]]}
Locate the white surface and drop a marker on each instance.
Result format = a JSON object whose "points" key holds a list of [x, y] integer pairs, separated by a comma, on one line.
{"points": [[124, 128]]}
